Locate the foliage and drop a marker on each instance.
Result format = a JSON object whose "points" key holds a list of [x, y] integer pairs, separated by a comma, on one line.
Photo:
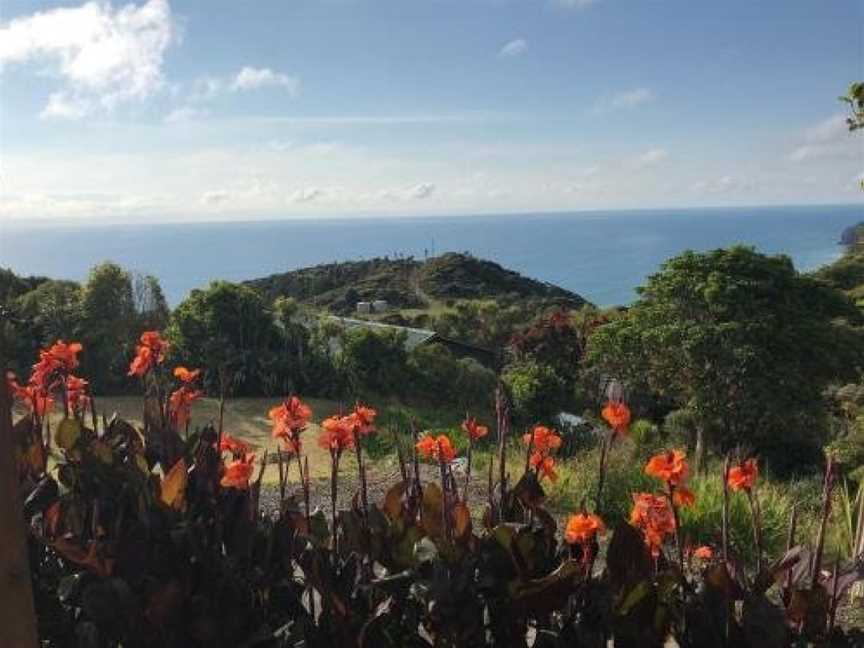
{"points": [[537, 391], [374, 361], [737, 337], [142, 537], [854, 98], [462, 383]]}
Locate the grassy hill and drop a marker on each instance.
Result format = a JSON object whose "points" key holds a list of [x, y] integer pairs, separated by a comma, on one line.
{"points": [[411, 284], [847, 273]]}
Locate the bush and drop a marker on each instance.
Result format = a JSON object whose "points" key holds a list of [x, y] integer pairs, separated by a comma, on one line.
{"points": [[537, 391]]}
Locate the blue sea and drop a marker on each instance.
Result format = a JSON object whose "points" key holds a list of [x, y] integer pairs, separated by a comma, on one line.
{"points": [[602, 255]]}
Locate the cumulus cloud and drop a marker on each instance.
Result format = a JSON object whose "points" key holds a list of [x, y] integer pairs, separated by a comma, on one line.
{"points": [[422, 190], [650, 158], [624, 100], [515, 47], [250, 78], [419, 191], [103, 56]]}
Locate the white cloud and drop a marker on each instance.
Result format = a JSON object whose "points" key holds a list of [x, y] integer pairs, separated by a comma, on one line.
{"points": [[723, 185], [250, 78], [650, 158], [422, 190], [515, 47], [624, 100], [830, 138], [307, 194], [216, 197], [104, 56], [185, 114]]}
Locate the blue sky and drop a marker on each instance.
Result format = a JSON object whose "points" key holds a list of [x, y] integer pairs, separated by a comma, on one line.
{"points": [[223, 110]]}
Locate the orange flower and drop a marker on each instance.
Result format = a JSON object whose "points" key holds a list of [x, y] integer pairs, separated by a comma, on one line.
{"points": [[58, 357], [617, 415], [669, 467], [180, 405], [363, 418], [291, 416], [545, 440], [704, 553], [474, 429], [744, 475], [337, 434], [683, 497], [237, 447], [544, 465], [582, 528], [150, 352], [652, 514], [185, 375], [76, 394], [439, 448], [237, 473]]}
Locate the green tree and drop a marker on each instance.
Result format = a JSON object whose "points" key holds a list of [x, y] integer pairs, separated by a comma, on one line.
{"points": [[740, 339], [227, 330], [107, 326], [374, 361], [538, 393], [854, 98], [151, 306]]}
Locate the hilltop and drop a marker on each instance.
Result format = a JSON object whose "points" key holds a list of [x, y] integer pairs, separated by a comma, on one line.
{"points": [[847, 272], [411, 284]]}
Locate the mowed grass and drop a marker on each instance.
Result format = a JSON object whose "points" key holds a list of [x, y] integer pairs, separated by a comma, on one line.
{"points": [[245, 418]]}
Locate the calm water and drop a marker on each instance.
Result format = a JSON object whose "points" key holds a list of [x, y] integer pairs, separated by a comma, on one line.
{"points": [[601, 255]]}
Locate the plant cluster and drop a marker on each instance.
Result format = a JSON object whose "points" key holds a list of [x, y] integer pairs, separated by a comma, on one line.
{"points": [[154, 536]]}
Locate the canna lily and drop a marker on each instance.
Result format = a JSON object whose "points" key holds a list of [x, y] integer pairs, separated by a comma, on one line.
{"points": [[185, 375], [617, 415], [35, 398], [237, 473], [473, 429], [744, 475], [704, 553], [669, 467], [237, 447], [440, 448], [544, 439], [292, 415], [683, 497], [60, 356], [582, 528], [652, 514], [544, 465], [337, 434], [180, 405], [150, 352], [363, 419], [76, 393]]}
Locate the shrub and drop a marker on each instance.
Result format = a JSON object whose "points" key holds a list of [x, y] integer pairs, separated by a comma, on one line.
{"points": [[536, 390]]}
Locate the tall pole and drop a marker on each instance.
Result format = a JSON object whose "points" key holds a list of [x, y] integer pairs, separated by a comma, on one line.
{"points": [[17, 615]]}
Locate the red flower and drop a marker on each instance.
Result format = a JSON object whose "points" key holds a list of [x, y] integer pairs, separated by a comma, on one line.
{"points": [[150, 352], [291, 415], [669, 467], [617, 415], [35, 398], [337, 434], [363, 418], [683, 497], [237, 447], [439, 448], [60, 357], [76, 393], [180, 405], [237, 473], [185, 375], [652, 514], [582, 528], [544, 465], [704, 553], [744, 475], [474, 429], [545, 440]]}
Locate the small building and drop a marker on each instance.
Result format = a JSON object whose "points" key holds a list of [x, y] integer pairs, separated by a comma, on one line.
{"points": [[380, 306], [364, 307]]}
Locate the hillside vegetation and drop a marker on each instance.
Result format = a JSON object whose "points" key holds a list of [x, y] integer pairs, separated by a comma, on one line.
{"points": [[847, 273], [410, 284]]}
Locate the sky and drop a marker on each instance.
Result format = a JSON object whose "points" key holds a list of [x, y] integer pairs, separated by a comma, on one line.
{"points": [[225, 110]]}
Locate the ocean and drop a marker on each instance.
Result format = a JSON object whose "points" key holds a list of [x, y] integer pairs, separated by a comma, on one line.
{"points": [[602, 255]]}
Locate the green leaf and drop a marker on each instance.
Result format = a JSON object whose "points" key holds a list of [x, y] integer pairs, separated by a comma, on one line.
{"points": [[68, 432]]}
